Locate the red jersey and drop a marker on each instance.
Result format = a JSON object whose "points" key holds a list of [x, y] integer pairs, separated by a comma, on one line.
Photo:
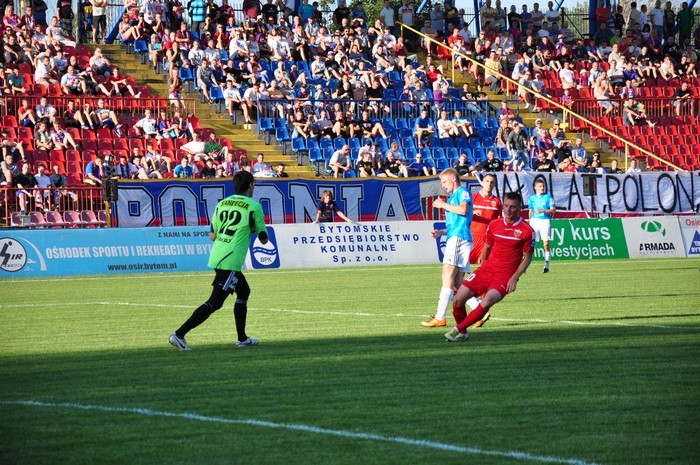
{"points": [[509, 242], [486, 209]]}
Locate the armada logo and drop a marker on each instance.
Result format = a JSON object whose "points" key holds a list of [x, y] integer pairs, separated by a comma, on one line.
{"points": [[656, 244], [657, 247], [653, 227], [265, 255]]}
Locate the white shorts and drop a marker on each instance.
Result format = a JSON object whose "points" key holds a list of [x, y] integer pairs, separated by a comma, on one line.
{"points": [[457, 253], [542, 228]]}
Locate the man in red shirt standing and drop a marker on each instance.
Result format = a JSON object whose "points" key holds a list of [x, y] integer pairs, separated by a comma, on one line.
{"points": [[487, 207], [506, 255]]}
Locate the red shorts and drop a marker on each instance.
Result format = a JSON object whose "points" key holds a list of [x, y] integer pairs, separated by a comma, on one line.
{"points": [[481, 283], [477, 247]]}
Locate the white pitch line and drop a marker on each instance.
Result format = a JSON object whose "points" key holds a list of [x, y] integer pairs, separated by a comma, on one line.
{"points": [[352, 314], [308, 429]]}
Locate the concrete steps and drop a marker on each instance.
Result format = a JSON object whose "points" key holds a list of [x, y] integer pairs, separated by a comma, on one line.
{"points": [[241, 137]]}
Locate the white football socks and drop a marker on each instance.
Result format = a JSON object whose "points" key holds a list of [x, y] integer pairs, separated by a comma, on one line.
{"points": [[446, 295]]}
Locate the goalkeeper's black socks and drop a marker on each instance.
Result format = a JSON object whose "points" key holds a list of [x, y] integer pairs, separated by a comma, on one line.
{"points": [[240, 312], [198, 317]]}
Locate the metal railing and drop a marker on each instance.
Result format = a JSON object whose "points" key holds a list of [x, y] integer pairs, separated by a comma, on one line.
{"points": [[71, 199], [567, 113], [123, 106], [392, 109]]}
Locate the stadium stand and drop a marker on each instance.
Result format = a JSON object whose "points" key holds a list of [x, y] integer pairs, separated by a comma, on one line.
{"points": [[306, 79]]}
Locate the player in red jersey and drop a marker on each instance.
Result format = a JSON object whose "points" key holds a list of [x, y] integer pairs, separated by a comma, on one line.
{"points": [[487, 207], [506, 255]]}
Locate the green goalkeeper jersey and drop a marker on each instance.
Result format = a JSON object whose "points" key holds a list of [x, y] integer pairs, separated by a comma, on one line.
{"points": [[235, 219]]}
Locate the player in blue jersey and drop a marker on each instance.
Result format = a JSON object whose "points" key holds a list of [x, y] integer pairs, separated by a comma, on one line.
{"points": [[458, 218], [541, 212]]}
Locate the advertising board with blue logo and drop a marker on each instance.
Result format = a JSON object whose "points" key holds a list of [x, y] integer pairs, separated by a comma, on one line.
{"points": [[63, 252], [345, 244], [67, 252], [690, 230]]}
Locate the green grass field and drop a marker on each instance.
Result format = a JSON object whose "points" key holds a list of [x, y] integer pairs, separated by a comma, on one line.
{"points": [[597, 362]]}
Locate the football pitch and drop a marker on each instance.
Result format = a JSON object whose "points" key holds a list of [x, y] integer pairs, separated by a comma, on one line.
{"points": [[593, 363]]}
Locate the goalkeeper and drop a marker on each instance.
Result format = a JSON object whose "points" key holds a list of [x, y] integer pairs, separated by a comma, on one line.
{"points": [[235, 219]]}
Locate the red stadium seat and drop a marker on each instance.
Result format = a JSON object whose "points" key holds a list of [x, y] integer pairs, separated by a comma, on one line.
{"points": [[74, 167], [57, 155], [104, 134], [25, 133], [120, 144], [73, 155], [136, 143], [74, 133], [54, 219], [9, 121], [167, 144], [72, 219], [89, 219], [41, 155], [89, 134]]}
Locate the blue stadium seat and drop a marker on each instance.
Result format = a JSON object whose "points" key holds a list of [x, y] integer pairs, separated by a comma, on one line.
{"points": [[312, 144], [354, 143], [439, 154], [442, 164], [452, 155], [480, 123], [461, 142], [279, 123], [338, 143], [282, 136], [475, 143], [427, 153], [187, 76], [326, 143], [479, 154], [447, 142], [265, 125], [407, 143], [299, 145], [141, 47], [216, 94]]}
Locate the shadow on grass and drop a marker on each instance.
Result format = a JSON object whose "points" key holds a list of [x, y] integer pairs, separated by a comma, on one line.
{"points": [[573, 383]]}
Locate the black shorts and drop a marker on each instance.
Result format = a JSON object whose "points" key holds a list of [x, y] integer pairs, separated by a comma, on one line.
{"points": [[227, 280], [100, 22]]}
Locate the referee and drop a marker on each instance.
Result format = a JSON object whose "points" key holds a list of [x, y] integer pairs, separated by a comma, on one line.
{"points": [[235, 219]]}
